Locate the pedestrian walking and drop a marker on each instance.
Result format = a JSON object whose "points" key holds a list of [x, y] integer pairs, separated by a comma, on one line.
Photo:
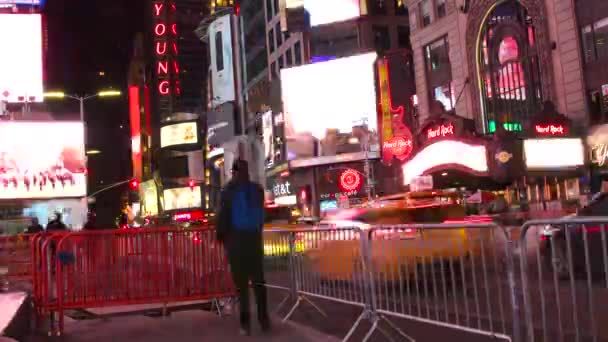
{"points": [[56, 224], [239, 228]]}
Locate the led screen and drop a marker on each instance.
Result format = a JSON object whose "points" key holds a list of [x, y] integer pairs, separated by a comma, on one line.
{"points": [[182, 198], [42, 160], [21, 57], [21, 2], [178, 134], [331, 105], [326, 12]]}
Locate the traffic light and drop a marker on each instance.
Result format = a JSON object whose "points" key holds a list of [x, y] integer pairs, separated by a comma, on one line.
{"points": [[134, 184]]}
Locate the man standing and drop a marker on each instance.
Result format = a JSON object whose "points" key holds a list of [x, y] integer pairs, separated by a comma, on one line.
{"points": [[35, 227], [239, 228]]}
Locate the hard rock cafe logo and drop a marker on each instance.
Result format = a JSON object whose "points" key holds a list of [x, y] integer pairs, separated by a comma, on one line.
{"points": [[399, 146], [440, 131], [503, 156], [599, 154]]}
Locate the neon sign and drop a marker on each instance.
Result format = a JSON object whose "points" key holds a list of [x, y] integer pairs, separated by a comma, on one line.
{"points": [[550, 129], [165, 48], [350, 180], [440, 131], [400, 147]]}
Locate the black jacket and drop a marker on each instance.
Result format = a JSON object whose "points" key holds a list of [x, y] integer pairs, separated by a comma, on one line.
{"points": [[224, 224]]}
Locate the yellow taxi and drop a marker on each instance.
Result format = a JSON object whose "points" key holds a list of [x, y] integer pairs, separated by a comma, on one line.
{"points": [[396, 249], [279, 221]]}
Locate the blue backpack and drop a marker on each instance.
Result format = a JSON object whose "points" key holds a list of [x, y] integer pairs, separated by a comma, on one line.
{"points": [[247, 211]]}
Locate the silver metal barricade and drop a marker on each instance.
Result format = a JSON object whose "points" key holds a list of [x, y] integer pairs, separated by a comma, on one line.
{"points": [[564, 279], [452, 275]]}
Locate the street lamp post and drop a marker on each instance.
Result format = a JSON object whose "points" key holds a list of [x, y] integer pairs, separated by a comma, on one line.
{"points": [[81, 100]]}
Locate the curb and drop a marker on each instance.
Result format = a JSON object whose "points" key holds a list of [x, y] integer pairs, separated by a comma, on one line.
{"points": [[312, 333]]}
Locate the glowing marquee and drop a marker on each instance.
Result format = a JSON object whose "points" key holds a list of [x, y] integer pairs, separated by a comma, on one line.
{"points": [[443, 154], [165, 48]]}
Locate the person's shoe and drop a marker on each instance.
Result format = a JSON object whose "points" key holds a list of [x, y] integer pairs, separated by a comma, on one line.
{"points": [[244, 331]]}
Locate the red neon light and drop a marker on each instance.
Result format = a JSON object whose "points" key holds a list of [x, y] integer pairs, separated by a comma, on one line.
{"points": [[176, 67], [350, 180], [158, 48], [193, 215], [160, 29], [550, 129], [158, 8], [174, 29], [163, 87], [440, 131], [163, 67], [175, 48], [399, 146], [284, 173]]}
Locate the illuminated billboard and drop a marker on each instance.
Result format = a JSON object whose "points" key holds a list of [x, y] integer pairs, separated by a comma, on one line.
{"points": [[148, 195], [179, 134], [220, 49], [331, 105], [554, 153], [42, 160], [182, 198], [21, 2], [21, 58], [323, 12]]}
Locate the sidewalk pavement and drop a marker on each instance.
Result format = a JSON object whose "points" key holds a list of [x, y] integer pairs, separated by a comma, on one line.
{"points": [[181, 326]]}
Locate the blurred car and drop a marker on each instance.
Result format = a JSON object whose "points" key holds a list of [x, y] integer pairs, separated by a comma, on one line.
{"points": [[396, 248], [554, 241]]}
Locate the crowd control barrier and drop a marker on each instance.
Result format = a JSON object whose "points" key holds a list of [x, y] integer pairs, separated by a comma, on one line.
{"points": [[544, 281], [127, 267], [15, 259]]}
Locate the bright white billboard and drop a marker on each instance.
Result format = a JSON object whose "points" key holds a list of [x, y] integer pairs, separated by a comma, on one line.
{"points": [[222, 73], [326, 12], [21, 57], [331, 105], [554, 153], [182, 198], [178, 134], [42, 160]]}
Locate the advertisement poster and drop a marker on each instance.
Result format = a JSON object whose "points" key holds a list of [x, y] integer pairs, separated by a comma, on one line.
{"points": [[182, 198], [222, 73], [149, 198], [42, 160], [333, 117], [179, 134], [324, 12], [21, 69]]}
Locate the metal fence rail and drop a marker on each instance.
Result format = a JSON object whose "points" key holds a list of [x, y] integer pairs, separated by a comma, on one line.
{"points": [[564, 279], [128, 267]]}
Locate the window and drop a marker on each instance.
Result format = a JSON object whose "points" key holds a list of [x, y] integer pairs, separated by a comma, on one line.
{"points": [[436, 54], [297, 51], [595, 40], [400, 8], [269, 10], [281, 63], [273, 70], [286, 35], [445, 95], [377, 7], [382, 38], [288, 58], [271, 41], [439, 75], [403, 37], [276, 6], [219, 52], [277, 29], [441, 8], [425, 12]]}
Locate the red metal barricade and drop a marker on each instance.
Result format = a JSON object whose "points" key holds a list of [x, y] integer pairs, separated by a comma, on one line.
{"points": [[129, 267], [15, 258]]}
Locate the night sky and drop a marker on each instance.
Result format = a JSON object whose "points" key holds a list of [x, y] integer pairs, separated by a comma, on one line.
{"points": [[89, 48]]}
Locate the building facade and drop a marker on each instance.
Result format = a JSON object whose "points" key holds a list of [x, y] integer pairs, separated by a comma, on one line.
{"points": [[497, 61]]}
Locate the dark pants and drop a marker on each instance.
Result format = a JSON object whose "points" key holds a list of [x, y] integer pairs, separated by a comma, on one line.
{"points": [[246, 254]]}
